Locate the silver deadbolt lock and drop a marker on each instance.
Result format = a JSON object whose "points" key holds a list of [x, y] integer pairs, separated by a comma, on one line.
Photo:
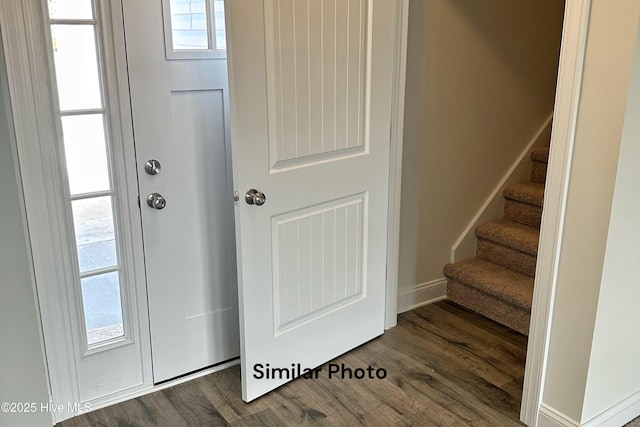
{"points": [[254, 197], [156, 201], [152, 167]]}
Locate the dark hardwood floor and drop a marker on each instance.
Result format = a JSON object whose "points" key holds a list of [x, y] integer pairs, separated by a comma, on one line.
{"points": [[445, 366]]}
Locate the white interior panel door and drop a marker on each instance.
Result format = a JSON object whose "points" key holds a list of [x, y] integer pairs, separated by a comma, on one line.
{"points": [[180, 115], [311, 84]]}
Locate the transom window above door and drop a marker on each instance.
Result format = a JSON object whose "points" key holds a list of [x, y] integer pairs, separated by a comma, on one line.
{"points": [[194, 29]]}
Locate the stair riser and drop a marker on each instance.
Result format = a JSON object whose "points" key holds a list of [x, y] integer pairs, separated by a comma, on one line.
{"points": [[489, 306], [523, 213], [538, 172], [540, 155], [506, 257]]}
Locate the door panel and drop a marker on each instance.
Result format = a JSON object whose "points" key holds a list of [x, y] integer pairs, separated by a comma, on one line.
{"points": [[316, 77], [311, 87], [317, 260], [179, 116]]}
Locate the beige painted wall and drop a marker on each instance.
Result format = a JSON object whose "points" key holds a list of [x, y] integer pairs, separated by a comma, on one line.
{"points": [[609, 53], [480, 82]]}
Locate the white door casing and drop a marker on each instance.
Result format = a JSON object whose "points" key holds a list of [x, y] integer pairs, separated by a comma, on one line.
{"points": [[311, 86], [180, 111], [565, 118]]}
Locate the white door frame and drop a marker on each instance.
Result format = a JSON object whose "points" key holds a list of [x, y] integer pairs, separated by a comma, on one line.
{"points": [[24, 51], [20, 24], [395, 162], [574, 38]]}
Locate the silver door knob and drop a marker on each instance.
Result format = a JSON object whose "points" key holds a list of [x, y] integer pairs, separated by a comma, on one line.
{"points": [[152, 167], [156, 201], [254, 197]]}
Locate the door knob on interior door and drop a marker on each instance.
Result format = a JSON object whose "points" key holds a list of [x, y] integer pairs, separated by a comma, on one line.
{"points": [[156, 201], [254, 197]]}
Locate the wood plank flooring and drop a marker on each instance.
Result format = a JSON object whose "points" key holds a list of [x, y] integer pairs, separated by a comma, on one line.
{"points": [[445, 366]]}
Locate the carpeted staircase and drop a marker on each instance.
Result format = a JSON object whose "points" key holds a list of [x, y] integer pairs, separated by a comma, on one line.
{"points": [[498, 282]]}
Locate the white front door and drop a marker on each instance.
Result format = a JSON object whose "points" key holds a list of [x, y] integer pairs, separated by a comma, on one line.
{"points": [[311, 85], [179, 98]]}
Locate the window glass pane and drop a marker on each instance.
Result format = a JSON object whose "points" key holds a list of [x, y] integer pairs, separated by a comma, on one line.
{"points": [[188, 6], [74, 54], [102, 307], [218, 8], [189, 27], [70, 9], [86, 153], [95, 237]]}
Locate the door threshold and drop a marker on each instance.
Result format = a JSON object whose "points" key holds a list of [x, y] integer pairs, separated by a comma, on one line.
{"points": [[198, 372]]}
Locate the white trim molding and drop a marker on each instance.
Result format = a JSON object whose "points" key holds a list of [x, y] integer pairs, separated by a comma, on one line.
{"points": [[618, 414], [549, 417], [492, 208], [422, 294], [36, 139], [572, 54], [395, 163], [11, 118]]}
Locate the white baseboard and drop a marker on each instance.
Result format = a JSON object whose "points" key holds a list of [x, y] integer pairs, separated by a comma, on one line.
{"points": [[492, 208], [422, 294], [550, 417], [619, 414], [615, 416]]}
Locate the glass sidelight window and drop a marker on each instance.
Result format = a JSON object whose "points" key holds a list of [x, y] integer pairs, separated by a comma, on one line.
{"points": [[83, 117]]}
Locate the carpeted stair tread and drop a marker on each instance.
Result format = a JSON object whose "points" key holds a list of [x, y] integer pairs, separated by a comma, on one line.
{"points": [[540, 155], [498, 282], [531, 193], [502, 283], [511, 234]]}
